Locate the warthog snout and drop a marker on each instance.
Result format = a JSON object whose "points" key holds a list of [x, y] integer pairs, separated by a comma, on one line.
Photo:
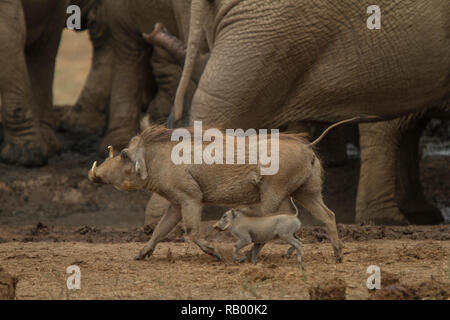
{"points": [[94, 175]]}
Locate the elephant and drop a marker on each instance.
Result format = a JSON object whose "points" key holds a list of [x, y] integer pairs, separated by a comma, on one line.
{"points": [[122, 80], [389, 189], [307, 41], [140, 76], [276, 62], [159, 79], [30, 32], [90, 110]]}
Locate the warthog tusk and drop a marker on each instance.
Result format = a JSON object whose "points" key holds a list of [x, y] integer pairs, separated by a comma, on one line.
{"points": [[111, 151], [94, 166]]}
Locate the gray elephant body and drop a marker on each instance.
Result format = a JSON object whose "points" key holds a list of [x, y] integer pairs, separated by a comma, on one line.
{"points": [[285, 60], [319, 60]]}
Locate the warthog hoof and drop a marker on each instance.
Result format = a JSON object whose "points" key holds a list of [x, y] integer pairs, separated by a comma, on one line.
{"points": [[217, 255], [240, 260], [139, 257]]}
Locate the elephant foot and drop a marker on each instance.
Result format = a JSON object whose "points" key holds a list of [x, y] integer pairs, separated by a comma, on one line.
{"points": [[50, 138], [79, 118], [382, 216], [416, 211], [422, 212], [31, 150], [119, 139]]}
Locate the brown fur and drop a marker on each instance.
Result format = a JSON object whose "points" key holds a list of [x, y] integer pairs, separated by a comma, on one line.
{"points": [[146, 164], [160, 133]]}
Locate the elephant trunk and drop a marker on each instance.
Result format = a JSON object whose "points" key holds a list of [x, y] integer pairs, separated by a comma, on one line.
{"points": [[198, 13], [162, 38]]}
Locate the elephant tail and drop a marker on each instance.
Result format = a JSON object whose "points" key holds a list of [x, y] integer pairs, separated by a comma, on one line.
{"points": [[354, 119], [198, 13]]}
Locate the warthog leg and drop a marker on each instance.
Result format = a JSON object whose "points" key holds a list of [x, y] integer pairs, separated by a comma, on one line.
{"points": [[168, 221], [295, 243], [314, 204], [192, 213], [255, 251], [242, 242]]}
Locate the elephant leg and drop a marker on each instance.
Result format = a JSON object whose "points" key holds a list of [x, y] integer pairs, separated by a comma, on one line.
{"points": [[167, 75], [130, 80], [23, 139], [389, 190], [89, 112], [41, 60]]}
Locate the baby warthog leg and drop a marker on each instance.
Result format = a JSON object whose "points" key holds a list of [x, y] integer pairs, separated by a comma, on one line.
{"points": [[165, 225], [255, 251], [295, 243], [242, 242], [292, 248]]}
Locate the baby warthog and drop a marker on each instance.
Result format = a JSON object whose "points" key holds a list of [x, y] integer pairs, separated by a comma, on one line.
{"points": [[147, 164], [259, 230]]}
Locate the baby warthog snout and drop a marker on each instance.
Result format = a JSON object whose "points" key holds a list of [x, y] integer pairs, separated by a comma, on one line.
{"points": [[259, 230], [225, 221]]}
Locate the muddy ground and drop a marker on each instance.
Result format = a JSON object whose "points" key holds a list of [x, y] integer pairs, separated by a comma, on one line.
{"points": [[410, 269], [53, 217]]}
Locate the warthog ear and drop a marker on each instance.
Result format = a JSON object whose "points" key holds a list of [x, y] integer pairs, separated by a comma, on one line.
{"points": [[124, 154], [141, 168]]}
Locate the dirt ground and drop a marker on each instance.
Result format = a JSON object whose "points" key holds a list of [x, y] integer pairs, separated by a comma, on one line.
{"points": [[414, 262], [421, 270], [53, 217]]}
